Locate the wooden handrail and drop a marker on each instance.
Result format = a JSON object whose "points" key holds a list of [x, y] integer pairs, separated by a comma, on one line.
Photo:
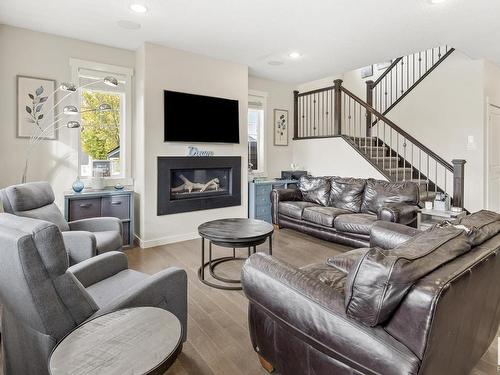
{"points": [[381, 117], [389, 68], [329, 88]]}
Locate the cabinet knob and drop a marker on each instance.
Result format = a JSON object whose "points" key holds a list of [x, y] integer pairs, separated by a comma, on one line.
{"points": [[116, 203]]}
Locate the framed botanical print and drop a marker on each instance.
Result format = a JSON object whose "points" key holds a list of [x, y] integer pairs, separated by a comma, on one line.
{"points": [[280, 127], [367, 71], [35, 107]]}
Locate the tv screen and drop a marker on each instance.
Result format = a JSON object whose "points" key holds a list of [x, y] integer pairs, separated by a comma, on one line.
{"points": [[198, 118]]}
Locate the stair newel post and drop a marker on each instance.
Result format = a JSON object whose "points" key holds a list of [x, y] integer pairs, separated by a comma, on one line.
{"points": [[458, 182], [369, 101], [337, 110], [295, 114]]}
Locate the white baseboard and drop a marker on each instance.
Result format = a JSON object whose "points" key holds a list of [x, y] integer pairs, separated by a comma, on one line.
{"points": [[144, 244]]}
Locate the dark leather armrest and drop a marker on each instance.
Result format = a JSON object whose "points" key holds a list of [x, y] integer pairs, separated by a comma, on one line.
{"points": [[281, 195], [310, 308], [403, 213], [387, 235]]}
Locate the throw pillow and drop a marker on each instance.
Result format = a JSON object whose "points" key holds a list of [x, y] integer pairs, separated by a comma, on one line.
{"points": [[315, 189], [381, 278], [347, 193], [378, 193]]}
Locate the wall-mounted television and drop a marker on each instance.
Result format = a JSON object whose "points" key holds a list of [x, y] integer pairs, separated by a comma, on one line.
{"points": [[199, 118]]}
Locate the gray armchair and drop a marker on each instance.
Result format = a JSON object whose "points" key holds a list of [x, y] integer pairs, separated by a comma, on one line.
{"points": [[83, 238], [43, 299]]}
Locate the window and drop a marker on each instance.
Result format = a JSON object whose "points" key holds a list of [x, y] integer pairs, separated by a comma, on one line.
{"points": [[105, 116], [256, 120]]}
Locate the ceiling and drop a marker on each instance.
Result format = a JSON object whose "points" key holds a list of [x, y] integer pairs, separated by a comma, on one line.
{"points": [[333, 36]]}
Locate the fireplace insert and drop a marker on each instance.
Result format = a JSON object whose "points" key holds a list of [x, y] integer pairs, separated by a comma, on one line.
{"points": [[195, 183]]}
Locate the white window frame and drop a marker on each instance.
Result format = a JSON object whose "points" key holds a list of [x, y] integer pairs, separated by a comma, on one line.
{"points": [[126, 130], [261, 153]]}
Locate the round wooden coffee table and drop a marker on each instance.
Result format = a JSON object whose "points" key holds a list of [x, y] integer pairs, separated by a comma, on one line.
{"points": [[232, 233], [142, 340]]}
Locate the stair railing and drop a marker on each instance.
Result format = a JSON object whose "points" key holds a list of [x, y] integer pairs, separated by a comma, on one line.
{"points": [[402, 76], [336, 112]]}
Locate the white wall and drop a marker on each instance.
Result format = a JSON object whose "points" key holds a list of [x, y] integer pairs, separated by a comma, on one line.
{"points": [[279, 96], [332, 157], [160, 68], [30, 53]]}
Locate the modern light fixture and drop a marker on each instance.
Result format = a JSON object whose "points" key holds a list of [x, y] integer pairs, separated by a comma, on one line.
{"points": [[138, 8], [67, 86], [70, 110], [294, 55], [73, 124], [436, 1], [111, 81], [67, 110]]}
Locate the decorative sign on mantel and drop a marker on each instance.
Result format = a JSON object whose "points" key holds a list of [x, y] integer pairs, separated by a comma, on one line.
{"points": [[194, 151]]}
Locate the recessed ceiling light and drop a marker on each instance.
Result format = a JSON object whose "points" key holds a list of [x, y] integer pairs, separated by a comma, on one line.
{"points": [[138, 8], [436, 1], [129, 25], [294, 55], [275, 62]]}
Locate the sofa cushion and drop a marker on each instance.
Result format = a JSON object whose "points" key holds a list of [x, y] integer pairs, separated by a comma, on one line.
{"points": [[483, 224], [328, 275], [378, 193], [355, 223], [322, 215], [381, 278], [315, 189], [294, 208], [347, 193], [344, 262]]}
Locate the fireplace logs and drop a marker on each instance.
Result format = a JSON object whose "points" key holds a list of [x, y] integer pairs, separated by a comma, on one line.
{"points": [[189, 186]]}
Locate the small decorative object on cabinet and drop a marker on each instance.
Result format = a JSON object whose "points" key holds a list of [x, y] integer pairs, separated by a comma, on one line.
{"points": [[104, 203], [442, 202], [259, 197], [280, 127], [77, 185], [427, 218], [292, 175]]}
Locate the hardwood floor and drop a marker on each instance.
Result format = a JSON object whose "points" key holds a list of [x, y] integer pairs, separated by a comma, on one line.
{"points": [[218, 341]]}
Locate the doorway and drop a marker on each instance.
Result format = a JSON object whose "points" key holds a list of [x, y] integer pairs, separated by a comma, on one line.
{"points": [[493, 159]]}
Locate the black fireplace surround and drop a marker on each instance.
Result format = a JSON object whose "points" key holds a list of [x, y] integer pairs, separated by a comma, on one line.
{"points": [[193, 183]]}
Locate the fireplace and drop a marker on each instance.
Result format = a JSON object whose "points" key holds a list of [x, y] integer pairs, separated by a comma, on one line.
{"points": [[194, 183]]}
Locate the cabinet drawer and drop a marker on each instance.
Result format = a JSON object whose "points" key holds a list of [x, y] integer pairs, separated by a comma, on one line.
{"points": [[84, 208], [115, 206], [263, 211], [126, 234], [262, 200], [263, 191]]}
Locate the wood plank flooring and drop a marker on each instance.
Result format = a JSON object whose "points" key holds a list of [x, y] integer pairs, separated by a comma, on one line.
{"points": [[218, 341]]}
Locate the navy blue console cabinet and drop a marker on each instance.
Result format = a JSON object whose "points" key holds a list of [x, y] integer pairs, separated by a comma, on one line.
{"points": [[259, 197]]}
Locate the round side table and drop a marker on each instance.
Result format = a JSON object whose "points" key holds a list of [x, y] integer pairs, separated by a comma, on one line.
{"points": [[142, 340], [231, 233]]}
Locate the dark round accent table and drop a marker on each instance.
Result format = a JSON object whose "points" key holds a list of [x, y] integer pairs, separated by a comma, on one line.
{"points": [[232, 233], [140, 340]]}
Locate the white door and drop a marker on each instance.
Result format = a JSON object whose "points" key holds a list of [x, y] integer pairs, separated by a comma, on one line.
{"points": [[494, 158]]}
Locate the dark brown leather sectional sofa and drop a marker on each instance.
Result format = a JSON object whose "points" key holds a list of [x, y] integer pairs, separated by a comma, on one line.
{"points": [[414, 303], [344, 209]]}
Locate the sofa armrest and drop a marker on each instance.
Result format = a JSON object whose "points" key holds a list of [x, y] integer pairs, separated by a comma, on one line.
{"points": [[281, 195], [100, 267], [402, 213], [166, 289], [97, 224], [314, 312], [387, 235], [80, 245]]}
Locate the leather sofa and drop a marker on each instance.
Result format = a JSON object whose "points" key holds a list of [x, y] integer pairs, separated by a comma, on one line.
{"points": [[414, 303], [344, 209]]}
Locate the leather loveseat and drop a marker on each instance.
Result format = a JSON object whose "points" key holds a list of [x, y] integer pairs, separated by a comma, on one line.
{"points": [[344, 209], [414, 303]]}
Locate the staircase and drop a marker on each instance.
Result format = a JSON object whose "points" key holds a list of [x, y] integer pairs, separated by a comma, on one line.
{"points": [[336, 112]]}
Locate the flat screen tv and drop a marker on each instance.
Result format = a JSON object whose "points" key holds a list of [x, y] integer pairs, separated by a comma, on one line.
{"points": [[198, 118]]}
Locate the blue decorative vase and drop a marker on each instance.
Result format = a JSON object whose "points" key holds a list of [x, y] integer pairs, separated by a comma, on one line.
{"points": [[78, 185]]}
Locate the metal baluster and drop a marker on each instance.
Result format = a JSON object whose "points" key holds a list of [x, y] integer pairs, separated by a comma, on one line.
{"points": [[383, 153], [385, 81], [428, 175], [404, 158], [354, 120], [314, 114], [407, 72], [390, 150], [349, 117], [397, 154], [402, 76], [436, 177], [419, 65]]}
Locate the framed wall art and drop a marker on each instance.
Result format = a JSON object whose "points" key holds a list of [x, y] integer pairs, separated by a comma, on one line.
{"points": [[280, 127], [35, 107]]}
